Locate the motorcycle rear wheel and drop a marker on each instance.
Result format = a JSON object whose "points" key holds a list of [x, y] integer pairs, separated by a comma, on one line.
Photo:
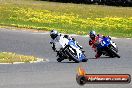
{"points": [[59, 59]]}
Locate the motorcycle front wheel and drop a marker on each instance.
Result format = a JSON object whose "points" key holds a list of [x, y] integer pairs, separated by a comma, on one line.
{"points": [[73, 56], [114, 51]]}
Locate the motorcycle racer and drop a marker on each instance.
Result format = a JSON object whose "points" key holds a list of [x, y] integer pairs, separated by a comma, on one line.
{"points": [[94, 40], [66, 47], [55, 37]]}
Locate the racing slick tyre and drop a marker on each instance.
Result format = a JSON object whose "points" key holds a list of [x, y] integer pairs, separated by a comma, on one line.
{"points": [[85, 60], [73, 56], [115, 53], [59, 59]]}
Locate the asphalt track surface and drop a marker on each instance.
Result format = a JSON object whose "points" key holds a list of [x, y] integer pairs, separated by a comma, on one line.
{"points": [[53, 74]]}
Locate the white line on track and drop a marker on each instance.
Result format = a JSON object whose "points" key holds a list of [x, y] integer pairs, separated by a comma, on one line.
{"points": [[45, 33], [40, 33]]}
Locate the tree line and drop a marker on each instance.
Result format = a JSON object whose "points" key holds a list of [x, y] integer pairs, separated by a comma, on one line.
{"points": [[106, 2]]}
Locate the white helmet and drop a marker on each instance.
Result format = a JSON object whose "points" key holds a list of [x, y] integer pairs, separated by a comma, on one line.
{"points": [[53, 34]]}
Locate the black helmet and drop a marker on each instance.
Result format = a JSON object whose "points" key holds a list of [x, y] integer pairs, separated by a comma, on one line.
{"points": [[92, 34], [53, 34]]}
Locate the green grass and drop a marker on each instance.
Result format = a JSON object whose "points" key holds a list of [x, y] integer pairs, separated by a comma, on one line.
{"points": [[8, 57], [67, 17]]}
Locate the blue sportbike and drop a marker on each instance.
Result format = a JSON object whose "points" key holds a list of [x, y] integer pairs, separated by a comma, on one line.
{"points": [[108, 48]]}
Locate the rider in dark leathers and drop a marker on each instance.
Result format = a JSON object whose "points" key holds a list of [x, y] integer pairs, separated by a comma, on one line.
{"points": [[94, 41]]}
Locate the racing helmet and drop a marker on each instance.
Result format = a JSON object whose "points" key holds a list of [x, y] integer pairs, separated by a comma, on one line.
{"points": [[53, 34], [92, 34]]}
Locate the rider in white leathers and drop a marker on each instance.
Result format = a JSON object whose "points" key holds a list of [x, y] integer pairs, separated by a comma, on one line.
{"points": [[60, 43], [58, 38]]}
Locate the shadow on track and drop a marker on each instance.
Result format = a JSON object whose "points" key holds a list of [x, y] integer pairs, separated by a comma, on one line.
{"points": [[101, 58]]}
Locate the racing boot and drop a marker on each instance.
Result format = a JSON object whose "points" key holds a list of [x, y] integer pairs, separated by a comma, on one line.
{"points": [[97, 55]]}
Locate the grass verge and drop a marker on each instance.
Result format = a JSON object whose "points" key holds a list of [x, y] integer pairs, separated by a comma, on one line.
{"points": [[8, 57], [67, 18]]}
